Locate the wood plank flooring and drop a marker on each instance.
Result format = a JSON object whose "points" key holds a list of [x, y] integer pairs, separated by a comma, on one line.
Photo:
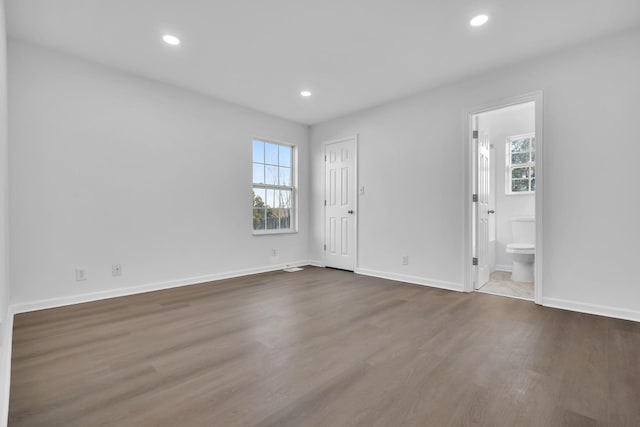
{"points": [[321, 347]]}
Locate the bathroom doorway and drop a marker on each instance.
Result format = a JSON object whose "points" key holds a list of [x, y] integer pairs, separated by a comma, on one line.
{"points": [[504, 236]]}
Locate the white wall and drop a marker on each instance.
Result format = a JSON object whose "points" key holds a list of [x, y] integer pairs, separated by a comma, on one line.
{"points": [[500, 124], [410, 154], [4, 171], [411, 163], [110, 168], [4, 221]]}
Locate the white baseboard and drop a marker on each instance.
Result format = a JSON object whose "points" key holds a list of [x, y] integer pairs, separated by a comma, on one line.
{"points": [[506, 268], [416, 280], [315, 263], [132, 290], [5, 368], [600, 310]]}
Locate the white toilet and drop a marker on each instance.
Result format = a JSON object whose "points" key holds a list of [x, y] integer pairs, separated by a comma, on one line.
{"points": [[523, 250]]}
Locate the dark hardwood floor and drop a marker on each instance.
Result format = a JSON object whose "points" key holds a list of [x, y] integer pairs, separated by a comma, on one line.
{"points": [[322, 347]]}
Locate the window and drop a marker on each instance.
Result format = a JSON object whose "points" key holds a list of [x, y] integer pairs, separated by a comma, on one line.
{"points": [[521, 164], [273, 187]]}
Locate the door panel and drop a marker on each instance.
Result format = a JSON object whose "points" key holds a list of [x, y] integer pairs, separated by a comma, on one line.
{"points": [[345, 237], [340, 192], [484, 188], [345, 186]]}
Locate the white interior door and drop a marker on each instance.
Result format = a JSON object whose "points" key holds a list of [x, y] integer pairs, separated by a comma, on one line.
{"points": [[483, 208], [340, 204]]}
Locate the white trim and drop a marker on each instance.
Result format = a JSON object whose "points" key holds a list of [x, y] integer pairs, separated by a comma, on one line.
{"points": [[502, 295], [353, 137], [316, 263], [469, 270], [599, 310], [5, 369], [521, 193], [537, 289], [507, 268], [416, 280], [132, 290], [271, 232]]}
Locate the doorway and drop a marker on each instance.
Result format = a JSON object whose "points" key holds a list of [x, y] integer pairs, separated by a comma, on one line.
{"points": [[340, 204], [504, 212]]}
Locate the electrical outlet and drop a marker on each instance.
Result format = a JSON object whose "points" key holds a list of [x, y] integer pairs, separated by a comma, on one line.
{"points": [[274, 252], [405, 260], [81, 274], [116, 270]]}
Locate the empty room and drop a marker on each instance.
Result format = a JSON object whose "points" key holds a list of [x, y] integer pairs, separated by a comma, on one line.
{"points": [[319, 213]]}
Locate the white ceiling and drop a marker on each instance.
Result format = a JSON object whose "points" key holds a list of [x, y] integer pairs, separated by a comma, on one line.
{"points": [[352, 54]]}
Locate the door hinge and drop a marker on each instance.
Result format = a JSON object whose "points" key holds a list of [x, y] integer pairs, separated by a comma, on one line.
{"points": [[474, 135], [325, 247], [325, 203], [325, 157], [474, 261], [474, 197]]}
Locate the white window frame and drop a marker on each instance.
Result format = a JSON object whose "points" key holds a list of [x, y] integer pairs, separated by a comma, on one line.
{"points": [[509, 166], [293, 226]]}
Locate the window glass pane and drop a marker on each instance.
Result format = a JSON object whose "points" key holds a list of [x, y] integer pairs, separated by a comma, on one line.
{"points": [[259, 216], [273, 222], [258, 173], [284, 176], [285, 218], [271, 175], [270, 197], [271, 153], [519, 172], [259, 195], [520, 145], [285, 156], [533, 144], [284, 199], [533, 184], [519, 185], [258, 151], [532, 174], [519, 158], [277, 200], [533, 156]]}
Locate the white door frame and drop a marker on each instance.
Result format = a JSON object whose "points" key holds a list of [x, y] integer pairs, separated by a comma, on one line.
{"points": [[357, 197], [469, 270]]}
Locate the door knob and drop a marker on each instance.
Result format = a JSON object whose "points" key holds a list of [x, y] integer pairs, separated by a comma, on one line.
{"points": [[491, 211], [350, 212]]}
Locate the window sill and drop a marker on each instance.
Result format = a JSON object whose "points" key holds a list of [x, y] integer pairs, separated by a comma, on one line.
{"points": [[272, 232], [521, 193]]}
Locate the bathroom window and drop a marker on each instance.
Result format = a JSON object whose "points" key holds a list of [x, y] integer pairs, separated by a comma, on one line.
{"points": [[273, 187], [521, 164]]}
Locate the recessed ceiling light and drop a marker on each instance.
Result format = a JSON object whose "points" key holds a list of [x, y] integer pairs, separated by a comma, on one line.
{"points": [[479, 20], [305, 93], [172, 40]]}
